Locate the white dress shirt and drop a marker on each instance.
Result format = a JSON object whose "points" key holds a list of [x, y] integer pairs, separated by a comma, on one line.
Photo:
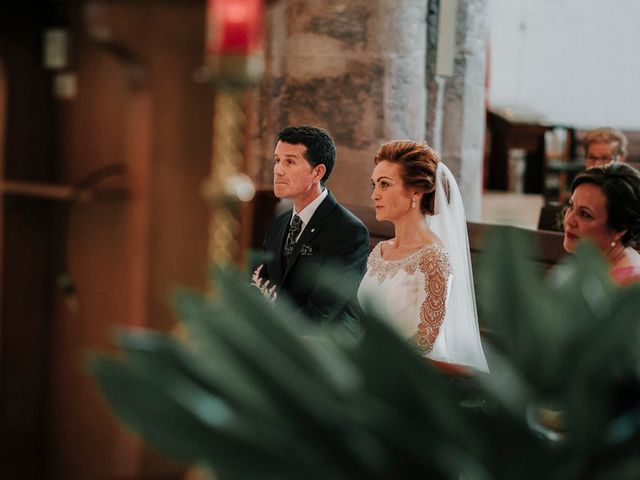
{"points": [[307, 212]]}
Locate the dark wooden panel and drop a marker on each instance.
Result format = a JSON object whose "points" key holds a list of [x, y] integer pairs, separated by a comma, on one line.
{"points": [[27, 248], [505, 135], [137, 106], [27, 299]]}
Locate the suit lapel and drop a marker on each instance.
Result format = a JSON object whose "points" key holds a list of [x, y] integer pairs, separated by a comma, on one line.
{"points": [[280, 235], [311, 229]]}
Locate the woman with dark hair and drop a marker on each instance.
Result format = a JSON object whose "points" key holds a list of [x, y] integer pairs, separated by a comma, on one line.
{"points": [[605, 209], [421, 279]]}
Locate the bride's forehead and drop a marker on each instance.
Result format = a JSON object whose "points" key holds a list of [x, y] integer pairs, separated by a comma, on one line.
{"points": [[387, 169]]}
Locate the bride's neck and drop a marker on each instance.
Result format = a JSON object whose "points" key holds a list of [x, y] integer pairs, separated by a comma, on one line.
{"points": [[411, 231]]}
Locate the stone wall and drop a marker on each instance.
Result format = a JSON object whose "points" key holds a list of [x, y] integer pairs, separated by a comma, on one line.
{"points": [[462, 108], [360, 69]]}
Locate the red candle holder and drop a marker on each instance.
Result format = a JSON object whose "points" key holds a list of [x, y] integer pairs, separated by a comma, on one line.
{"points": [[234, 40]]}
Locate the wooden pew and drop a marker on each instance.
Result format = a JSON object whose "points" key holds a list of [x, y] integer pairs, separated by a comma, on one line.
{"points": [[549, 243]]}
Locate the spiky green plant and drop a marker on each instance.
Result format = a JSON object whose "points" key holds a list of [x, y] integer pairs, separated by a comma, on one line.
{"points": [[250, 397]]}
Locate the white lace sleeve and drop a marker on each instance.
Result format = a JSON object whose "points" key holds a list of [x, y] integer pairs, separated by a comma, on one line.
{"points": [[435, 267]]}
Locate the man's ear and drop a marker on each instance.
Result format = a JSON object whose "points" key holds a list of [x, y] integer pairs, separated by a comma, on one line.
{"points": [[320, 170]]}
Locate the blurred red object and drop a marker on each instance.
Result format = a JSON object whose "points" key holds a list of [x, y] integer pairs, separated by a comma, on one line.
{"points": [[452, 369], [234, 27]]}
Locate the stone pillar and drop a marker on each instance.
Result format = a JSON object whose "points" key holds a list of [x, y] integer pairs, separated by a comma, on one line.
{"points": [[354, 67], [456, 119]]}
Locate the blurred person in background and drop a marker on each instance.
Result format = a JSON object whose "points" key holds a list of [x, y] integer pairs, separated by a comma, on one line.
{"points": [[603, 146]]}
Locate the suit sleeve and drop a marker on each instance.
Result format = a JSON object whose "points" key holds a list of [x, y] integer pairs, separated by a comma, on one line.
{"points": [[269, 250], [349, 256], [264, 274]]}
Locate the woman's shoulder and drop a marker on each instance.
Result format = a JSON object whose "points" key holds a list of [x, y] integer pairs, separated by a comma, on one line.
{"points": [[628, 270], [385, 250], [423, 259], [625, 275], [435, 258]]}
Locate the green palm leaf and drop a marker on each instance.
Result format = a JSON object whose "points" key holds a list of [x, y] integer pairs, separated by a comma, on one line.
{"points": [[255, 392]]}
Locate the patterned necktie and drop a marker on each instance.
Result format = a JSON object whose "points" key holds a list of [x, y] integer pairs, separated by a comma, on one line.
{"points": [[294, 231]]}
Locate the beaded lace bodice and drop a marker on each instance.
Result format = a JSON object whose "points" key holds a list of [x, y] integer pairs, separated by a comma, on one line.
{"points": [[413, 291]]}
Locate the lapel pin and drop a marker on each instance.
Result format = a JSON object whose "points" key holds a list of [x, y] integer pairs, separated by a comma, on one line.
{"points": [[313, 230]]}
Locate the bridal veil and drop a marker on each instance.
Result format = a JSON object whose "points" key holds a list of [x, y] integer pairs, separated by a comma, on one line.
{"points": [[460, 327]]}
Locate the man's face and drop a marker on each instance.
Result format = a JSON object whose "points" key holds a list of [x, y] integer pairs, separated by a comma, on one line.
{"points": [[601, 153], [293, 176]]}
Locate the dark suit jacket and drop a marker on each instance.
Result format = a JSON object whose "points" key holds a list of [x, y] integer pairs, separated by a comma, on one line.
{"points": [[333, 237]]}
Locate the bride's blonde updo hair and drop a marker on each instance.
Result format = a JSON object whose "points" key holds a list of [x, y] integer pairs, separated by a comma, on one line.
{"points": [[419, 163]]}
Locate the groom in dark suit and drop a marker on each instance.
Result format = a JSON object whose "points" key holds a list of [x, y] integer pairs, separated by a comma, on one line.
{"points": [[317, 233]]}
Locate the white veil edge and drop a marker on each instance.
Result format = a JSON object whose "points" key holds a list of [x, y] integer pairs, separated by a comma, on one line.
{"points": [[460, 327]]}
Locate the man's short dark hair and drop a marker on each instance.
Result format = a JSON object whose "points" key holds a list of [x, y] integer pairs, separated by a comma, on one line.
{"points": [[321, 149]]}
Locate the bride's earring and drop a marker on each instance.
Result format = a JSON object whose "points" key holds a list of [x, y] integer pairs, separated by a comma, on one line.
{"points": [[613, 243], [413, 202]]}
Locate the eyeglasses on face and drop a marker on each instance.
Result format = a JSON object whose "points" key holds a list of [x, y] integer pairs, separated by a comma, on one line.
{"points": [[602, 159]]}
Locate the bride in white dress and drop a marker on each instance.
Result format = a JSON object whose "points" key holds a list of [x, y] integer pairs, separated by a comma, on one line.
{"points": [[421, 279]]}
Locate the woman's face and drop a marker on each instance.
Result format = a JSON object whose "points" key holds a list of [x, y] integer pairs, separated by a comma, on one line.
{"points": [[587, 218], [392, 200], [601, 153]]}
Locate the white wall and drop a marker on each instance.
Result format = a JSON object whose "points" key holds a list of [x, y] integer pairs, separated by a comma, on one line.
{"points": [[568, 62]]}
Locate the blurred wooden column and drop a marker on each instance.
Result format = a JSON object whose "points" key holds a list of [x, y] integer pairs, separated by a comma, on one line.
{"points": [[233, 66]]}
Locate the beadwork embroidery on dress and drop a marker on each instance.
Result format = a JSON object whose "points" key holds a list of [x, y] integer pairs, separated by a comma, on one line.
{"points": [[381, 268], [434, 308], [433, 261]]}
